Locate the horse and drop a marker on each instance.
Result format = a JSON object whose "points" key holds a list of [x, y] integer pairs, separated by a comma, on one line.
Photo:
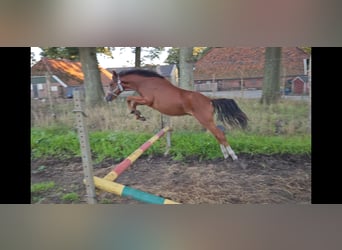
{"points": [[160, 94]]}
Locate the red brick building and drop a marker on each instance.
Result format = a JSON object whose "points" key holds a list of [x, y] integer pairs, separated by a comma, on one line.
{"points": [[236, 67]]}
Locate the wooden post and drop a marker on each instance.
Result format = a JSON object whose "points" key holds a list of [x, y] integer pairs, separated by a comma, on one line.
{"points": [[165, 121], [48, 84], [85, 147], [309, 83]]}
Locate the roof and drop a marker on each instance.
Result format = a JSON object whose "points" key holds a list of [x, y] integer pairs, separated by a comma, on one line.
{"points": [[237, 62], [67, 71], [41, 79], [302, 78], [165, 70]]}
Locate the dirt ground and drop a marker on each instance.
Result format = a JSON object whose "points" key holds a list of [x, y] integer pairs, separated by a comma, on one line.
{"points": [[253, 179]]}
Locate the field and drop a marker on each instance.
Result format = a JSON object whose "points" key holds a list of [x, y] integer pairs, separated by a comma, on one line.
{"points": [[258, 179], [253, 179]]}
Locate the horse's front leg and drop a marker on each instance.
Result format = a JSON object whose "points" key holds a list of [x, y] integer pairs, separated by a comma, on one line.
{"points": [[133, 102]]}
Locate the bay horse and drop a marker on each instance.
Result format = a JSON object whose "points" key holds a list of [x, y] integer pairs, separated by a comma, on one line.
{"points": [[160, 94]]}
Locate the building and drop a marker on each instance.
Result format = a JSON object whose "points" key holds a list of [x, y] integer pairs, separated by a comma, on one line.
{"points": [[62, 75], [243, 67]]}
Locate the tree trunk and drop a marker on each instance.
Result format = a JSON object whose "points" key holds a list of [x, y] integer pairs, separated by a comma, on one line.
{"points": [[186, 68], [137, 57], [92, 81], [271, 84]]}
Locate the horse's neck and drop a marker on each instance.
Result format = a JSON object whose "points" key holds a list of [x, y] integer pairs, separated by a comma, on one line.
{"points": [[145, 86]]}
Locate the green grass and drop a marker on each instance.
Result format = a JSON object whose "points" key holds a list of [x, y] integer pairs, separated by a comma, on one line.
{"points": [[281, 128], [70, 197], [42, 186], [204, 146], [118, 145]]}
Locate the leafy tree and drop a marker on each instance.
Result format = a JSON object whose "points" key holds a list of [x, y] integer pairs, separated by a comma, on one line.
{"points": [[153, 53], [185, 58], [33, 60], [173, 57], [71, 53], [271, 84], [197, 53], [87, 56], [307, 50]]}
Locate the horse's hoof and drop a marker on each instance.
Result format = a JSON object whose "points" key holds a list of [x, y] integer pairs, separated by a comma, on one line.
{"points": [[234, 157]]}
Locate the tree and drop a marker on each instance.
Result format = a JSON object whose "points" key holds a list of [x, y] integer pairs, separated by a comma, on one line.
{"points": [[271, 84], [137, 52], [87, 56], [173, 57], [69, 53], [185, 63], [153, 52], [186, 68], [197, 53], [92, 80], [33, 60]]}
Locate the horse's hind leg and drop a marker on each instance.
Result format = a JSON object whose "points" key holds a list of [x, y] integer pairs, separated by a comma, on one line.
{"points": [[219, 135], [224, 145]]}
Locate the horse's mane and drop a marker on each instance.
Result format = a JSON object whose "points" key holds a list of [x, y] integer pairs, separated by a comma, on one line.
{"points": [[140, 72]]}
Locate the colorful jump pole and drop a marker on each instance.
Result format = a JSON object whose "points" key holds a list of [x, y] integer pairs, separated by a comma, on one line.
{"points": [[122, 166], [125, 191]]}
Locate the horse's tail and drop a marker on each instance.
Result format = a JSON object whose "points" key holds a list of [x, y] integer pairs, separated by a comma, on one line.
{"points": [[229, 112]]}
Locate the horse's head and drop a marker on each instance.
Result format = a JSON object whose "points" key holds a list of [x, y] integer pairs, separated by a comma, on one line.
{"points": [[115, 88]]}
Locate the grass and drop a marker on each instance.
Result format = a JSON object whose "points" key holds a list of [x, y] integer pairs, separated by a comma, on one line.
{"points": [[70, 197], [118, 145], [39, 189], [291, 117], [281, 128], [42, 187]]}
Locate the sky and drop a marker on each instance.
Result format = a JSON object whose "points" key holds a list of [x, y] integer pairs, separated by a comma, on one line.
{"points": [[123, 57]]}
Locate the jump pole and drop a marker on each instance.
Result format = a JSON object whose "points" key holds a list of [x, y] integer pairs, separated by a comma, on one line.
{"points": [[122, 166], [125, 191]]}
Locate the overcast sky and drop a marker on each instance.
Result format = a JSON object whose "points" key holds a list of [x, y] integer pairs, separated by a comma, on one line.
{"points": [[123, 57]]}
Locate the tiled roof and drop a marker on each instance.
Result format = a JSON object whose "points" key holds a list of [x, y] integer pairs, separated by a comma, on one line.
{"points": [[69, 72], [236, 62]]}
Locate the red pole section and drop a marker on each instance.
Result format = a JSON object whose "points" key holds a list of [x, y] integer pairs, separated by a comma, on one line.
{"points": [[122, 166]]}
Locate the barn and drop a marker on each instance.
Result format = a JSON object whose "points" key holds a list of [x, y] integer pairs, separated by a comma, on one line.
{"points": [[243, 67], [59, 77]]}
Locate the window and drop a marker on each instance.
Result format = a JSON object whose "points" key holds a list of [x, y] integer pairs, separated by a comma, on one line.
{"points": [[54, 88]]}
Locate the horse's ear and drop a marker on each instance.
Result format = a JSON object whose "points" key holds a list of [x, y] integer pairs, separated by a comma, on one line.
{"points": [[115, 75]]}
